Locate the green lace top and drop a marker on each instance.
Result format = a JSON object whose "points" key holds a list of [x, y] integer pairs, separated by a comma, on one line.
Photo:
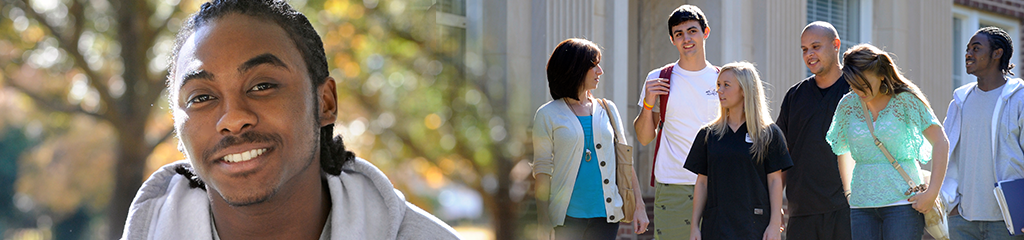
{"points": [[900, 127]]}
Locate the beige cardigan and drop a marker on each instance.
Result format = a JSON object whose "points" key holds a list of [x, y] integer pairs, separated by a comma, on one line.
{"points": [[558, 141]]}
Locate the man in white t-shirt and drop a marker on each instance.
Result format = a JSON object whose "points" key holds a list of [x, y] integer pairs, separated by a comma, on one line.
{"points": [[692, 103]]}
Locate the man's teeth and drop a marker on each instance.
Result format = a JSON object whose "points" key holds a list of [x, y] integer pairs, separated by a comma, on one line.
{"points": [[244, 156]]}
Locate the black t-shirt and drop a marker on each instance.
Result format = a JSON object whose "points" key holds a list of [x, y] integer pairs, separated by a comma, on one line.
{"points": [[824, 91], [738, 205], [813, 185]]}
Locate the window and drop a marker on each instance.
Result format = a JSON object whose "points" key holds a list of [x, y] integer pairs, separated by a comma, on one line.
{"points": [[451, 21], [966, 21], [851, 18]]}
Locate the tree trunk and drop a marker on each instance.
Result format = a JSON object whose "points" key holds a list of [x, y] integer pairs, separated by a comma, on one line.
{"points": [[506, 213], [134, 106], [129, 168]]}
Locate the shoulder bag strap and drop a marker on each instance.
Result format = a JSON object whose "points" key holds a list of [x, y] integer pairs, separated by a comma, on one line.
{"points": [[896, 165], [611, 120]]}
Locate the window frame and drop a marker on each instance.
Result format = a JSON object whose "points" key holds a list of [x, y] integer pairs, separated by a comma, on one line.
{"points": [[864, 21], [973, 17]]}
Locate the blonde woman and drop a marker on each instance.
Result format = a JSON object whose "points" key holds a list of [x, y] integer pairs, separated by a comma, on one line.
{"points": [[739, 159], [903, 120], [574, 152]]}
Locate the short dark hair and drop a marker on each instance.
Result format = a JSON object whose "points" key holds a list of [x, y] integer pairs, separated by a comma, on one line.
{"points": [[293, 22], [1000, 39], [568, 65], [686, 13], [332, 151]]}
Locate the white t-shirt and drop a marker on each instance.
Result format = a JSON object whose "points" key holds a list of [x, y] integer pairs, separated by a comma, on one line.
{"points": [[693, 102]]}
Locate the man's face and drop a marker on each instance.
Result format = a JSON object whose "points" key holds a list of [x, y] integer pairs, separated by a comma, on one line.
{"points": [[245, 111], [689, 38], [980, 55], [819, 50]]}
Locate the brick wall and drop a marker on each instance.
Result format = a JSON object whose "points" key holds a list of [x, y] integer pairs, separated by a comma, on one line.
{"points": [[1009, 8]]}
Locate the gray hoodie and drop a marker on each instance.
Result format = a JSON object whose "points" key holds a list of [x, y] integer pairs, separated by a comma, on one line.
{"points": [[365, 206], [1007, 137]]}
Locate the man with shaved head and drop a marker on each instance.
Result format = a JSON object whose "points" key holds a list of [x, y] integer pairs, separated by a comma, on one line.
{"points": [[818, 207]]}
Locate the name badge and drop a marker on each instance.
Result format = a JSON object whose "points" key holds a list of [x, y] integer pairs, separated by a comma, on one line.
{"points": [[748, 139], [758, 211]]}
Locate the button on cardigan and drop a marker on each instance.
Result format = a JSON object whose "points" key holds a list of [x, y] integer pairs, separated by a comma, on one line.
{"points": [[557, 147]]}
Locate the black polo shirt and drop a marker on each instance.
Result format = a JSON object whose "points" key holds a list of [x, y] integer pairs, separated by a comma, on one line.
{"points": [[813, 185], [738, 205]]}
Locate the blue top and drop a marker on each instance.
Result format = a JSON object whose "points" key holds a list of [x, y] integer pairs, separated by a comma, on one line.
{"points": [[899, 126], [587, 195]]}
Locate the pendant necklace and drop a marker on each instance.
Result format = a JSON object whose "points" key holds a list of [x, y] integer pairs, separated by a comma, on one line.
{"points": [[585, 150]]}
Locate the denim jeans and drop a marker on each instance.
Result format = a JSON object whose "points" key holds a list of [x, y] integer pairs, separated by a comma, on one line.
{"points": [[586, 228], [888, 223], [960, 228]]}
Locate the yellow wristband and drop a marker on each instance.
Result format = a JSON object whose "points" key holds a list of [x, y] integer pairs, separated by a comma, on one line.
{"points": [[647, 106]]}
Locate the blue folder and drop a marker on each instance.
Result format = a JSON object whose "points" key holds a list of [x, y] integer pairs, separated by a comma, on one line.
{"points": [[1010, 195]]}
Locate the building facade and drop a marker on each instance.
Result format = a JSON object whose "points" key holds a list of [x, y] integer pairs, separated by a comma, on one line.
{"points": [[507, 44]]}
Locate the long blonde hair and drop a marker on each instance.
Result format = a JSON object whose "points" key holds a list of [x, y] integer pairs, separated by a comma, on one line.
{"points": [[755, 108]]}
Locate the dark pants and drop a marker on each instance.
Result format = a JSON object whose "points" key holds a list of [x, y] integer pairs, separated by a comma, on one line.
{"points": [[830, 225], [586, 228], [900, 222]]}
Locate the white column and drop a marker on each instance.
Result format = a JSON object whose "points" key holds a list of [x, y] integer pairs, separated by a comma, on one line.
{"points": [[620, 49]]}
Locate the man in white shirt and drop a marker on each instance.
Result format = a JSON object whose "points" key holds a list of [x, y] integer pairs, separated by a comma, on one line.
{"points": [[692, 103]]}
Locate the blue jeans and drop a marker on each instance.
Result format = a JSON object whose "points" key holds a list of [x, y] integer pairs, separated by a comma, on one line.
{"points": [[586, 228], [960, 228], [889, 223]]}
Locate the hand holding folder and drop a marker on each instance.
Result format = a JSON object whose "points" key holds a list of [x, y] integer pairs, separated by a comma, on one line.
{"points": [[1010, 196]]}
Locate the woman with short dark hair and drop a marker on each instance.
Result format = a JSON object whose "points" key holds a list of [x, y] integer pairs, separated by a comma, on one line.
{"points": [[574, 151]]}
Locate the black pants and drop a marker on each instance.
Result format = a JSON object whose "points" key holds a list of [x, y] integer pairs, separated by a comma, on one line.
{"points": [[586, 228], [830, 225]]}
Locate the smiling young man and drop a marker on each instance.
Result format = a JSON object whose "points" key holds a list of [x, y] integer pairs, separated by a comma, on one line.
{"points": [[818, 208], [692, 103], [983, 123], [254, 110]]}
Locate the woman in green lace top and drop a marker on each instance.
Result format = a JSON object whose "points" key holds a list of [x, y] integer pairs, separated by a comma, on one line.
{"points": [[903, 120]]}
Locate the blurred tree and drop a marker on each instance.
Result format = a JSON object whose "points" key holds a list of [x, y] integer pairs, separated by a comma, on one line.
{"points": [[15, 143], [73, 227], [405, 92], [406, 100], [102, 59]]}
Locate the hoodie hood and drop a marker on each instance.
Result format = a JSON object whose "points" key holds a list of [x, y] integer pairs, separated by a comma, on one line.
{"points": [[365, 206], [1012, 85]]}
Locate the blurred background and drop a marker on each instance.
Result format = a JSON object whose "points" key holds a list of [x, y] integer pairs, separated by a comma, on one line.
{"points": [[440, 94], [84, 117]]}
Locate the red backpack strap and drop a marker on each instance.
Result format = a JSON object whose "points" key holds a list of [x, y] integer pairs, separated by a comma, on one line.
{"points": [[666, 73]]}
